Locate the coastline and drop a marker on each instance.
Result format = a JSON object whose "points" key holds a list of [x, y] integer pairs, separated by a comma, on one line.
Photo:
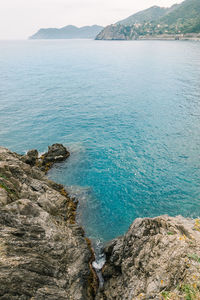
{"points": [[44, 253], [177, 37], [161, 37], [51, 255]]}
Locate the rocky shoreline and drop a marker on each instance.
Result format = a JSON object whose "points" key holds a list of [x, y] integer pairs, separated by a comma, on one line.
{"points": [[158, 258], [44, 253], [117, 33]]}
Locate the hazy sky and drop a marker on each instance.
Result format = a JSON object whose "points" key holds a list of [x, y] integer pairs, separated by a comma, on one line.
{"points": [[21, 18]]}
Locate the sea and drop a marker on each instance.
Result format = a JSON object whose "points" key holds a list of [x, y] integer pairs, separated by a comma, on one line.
{"points": [[129, 113]]}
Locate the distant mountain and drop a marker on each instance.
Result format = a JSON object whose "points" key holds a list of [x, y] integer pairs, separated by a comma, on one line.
{"points": [[147, 15], [185, 17], [179, 21], [68, 32]]}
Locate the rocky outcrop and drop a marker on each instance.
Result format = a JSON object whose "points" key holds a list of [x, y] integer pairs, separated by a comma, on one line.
{"points": [[156, 259], [31, 157], [43, 252], [56, 153], [115, 32]]}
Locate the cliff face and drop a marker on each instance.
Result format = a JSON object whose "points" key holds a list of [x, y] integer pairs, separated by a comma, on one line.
{"points": [[156, 259], [114, 32], [43, 253]]}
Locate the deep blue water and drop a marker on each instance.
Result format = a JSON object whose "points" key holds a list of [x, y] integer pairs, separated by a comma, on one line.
{"points": [[129, 113]]}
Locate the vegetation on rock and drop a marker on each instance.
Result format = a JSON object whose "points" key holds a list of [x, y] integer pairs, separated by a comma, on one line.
{"points": [[156, 21]]}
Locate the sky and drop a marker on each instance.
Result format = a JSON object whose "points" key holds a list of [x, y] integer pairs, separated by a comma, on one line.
{"points": [[21, 18]]}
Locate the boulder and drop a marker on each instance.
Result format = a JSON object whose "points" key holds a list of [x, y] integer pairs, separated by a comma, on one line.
{"points": [[31, 157], [56, 153]]}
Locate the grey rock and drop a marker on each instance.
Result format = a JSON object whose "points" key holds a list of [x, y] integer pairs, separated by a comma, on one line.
{"points": [[43, 252], [156, 256], [31, 157], [114, 32], [56, 153]]}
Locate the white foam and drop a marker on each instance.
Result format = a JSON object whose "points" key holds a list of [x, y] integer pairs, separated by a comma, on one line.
{"points": [[98, 265]]}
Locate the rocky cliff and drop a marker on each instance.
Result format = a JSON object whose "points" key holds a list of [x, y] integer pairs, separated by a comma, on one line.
{"points": [[157, 258], [43, 252], [45, 255], [116, 32]]}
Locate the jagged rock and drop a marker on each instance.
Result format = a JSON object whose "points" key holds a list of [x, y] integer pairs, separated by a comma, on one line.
{"points": [[56, 153], [157, 257], [43, 252], [31, 157], [114, 32]]}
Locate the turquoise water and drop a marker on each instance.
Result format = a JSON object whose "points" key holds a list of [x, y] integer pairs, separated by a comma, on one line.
{"points": [[129, 113]]}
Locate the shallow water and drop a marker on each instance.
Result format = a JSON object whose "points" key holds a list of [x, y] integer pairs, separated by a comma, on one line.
{"points": [[129, 112]]}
